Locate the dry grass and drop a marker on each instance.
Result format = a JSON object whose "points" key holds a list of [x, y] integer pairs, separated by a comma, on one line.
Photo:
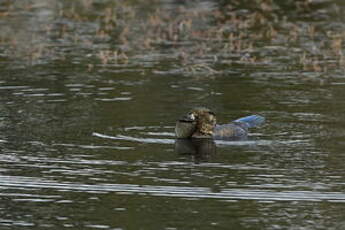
{"points": [[197, 39]]}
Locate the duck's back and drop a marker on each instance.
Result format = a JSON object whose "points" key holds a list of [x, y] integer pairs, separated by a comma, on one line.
{"points": [[230, 131], [237, 129]]}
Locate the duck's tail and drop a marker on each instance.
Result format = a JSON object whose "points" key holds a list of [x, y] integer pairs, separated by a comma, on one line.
{"points": [[251, 121]]}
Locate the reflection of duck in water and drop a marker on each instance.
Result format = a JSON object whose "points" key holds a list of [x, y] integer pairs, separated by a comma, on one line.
{"points": [[201, 148], [201, 123]]}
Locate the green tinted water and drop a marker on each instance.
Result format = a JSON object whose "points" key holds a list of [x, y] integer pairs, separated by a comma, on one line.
{"points": [[90, 91]]}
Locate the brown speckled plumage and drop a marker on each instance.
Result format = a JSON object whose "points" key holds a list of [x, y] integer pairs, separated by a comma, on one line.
{"points": [[201, 123], [206, 121]]}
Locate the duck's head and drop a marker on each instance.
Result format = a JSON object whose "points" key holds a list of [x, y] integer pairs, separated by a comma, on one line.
{"points": [[186, 126], [199, 122]]}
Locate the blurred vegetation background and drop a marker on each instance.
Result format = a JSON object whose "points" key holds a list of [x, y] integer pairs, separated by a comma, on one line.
{"points": [[176, 36]]}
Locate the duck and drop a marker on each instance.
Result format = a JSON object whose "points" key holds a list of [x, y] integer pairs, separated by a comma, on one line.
{"points": [[201, 122]]}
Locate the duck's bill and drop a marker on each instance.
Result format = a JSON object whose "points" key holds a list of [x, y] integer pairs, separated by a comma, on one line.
{"points": [[188, 118]]}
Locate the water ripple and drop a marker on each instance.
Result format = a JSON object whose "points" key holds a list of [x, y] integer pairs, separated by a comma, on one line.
{"points": [[218, 142], [175, 191], [135, 139]]}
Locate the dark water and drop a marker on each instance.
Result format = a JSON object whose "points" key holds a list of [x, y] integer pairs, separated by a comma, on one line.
{"points": [[90, 91]]}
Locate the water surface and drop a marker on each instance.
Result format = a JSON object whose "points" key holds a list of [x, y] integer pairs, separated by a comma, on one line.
{"points": [[90, 91]]}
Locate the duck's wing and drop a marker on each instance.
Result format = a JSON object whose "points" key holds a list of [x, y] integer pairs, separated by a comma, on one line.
{"points": [[251, 121]]}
